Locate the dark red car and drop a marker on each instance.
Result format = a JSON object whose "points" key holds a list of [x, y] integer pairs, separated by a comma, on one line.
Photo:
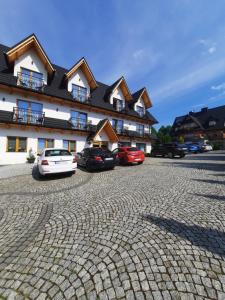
{"points": [[127, 155]]}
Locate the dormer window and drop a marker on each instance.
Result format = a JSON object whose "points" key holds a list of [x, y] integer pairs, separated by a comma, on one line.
{"points": [[79, 93], [30, 79], [212, 123], [140, 110], [118, 104]]}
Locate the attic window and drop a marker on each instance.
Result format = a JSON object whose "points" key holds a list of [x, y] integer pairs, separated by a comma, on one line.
{"points": [[212, 123], [140, 110]]}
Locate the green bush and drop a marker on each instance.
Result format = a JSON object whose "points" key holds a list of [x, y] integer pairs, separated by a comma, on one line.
{"points": [[216, 146]]}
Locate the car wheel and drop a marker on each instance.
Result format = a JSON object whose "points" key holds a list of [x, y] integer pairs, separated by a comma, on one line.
{"points": [[170, 155], [182, 156], [140, 162]]}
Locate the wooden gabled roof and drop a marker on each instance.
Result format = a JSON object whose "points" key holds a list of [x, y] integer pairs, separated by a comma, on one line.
{"points": [[107, 127], [83, 65], [30, 42], [142, 93], [120, 83]]}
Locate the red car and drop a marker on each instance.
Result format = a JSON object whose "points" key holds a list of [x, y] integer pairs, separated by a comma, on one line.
{"points": [[127, 155]]}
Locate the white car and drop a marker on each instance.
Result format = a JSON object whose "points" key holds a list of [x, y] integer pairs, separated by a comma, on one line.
{"points": [[56, 160], [206, 147]]}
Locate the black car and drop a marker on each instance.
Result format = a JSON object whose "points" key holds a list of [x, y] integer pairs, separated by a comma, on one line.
{"points": [[170, 150], [96, 159]]}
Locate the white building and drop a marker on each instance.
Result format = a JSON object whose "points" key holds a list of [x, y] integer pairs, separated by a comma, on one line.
{"points": [[44, 105]]}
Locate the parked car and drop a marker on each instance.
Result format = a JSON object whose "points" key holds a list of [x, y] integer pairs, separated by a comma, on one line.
{"points": [[96, 159], [193, 148], [204, 146], [127, 155], [54, 160], [183, 147], [171, 150]]}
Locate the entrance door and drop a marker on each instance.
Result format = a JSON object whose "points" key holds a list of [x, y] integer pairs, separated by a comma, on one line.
{"points": [[100, 145]]}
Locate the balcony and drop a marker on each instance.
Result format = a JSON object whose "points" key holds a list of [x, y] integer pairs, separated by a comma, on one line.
{"points": [[131, 133], [118, 130], [27, 116], [30, 82], [81, 124]]}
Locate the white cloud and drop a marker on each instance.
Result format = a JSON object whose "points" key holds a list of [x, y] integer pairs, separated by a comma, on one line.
{"points": [[138, 54], [194, 79], [208, 45], [211, 50], [218, 87]]}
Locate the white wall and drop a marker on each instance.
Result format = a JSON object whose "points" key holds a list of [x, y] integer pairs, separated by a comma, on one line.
{"points": [[117, 93], [102, 136], [140, 102], [31, 61], [78, 78], [32, 142]]}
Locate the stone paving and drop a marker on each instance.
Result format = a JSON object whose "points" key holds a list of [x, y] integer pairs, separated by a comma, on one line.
{"points": [[153, 231]]}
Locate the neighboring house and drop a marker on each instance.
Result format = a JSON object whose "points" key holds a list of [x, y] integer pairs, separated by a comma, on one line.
{"points": [[207, 124], [44, 105]]}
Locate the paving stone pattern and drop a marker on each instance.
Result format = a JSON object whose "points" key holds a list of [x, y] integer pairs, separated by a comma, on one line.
{"points": [[153, 231]]}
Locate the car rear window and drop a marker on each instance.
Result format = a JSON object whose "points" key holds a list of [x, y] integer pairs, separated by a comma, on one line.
{"points": [[132, 149], [57, 152]]}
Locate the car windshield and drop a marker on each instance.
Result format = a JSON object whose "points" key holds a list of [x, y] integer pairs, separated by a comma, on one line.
{"points": [[57, 152], [132, 149]]}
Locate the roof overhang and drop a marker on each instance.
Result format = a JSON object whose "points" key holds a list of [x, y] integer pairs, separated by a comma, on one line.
{"points": [[107, 127], [144, 95], [22, 47], [83, 65], [124, 88]]}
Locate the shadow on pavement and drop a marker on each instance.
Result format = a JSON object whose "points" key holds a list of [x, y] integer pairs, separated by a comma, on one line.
{"points": [[37, 176], [211, 240], [201, 166], [211, 197], [209, 181]]}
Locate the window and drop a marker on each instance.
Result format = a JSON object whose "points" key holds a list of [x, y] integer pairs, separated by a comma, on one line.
{"points": [[57, 152], [28, 112], [79, 119], [140, 110], [212, 123], [69, 145], [79, 93], [16, 144], [44, 143], [30, 79], [118, 104], [117, 125], [140, 129], [141, 146], [124, 144]]}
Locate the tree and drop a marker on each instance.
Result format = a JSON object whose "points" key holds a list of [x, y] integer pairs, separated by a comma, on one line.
{"points": [[181, 140], [164, 134]]}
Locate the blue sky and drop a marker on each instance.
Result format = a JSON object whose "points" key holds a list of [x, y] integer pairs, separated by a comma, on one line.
{"points": [[175, 48]]}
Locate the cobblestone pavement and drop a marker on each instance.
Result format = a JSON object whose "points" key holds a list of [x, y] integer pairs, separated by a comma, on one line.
{"points": [[153, 231], [15, 170]]}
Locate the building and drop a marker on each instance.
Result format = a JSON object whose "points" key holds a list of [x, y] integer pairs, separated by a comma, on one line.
{"points": [[207, 124], [44, 105]]}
